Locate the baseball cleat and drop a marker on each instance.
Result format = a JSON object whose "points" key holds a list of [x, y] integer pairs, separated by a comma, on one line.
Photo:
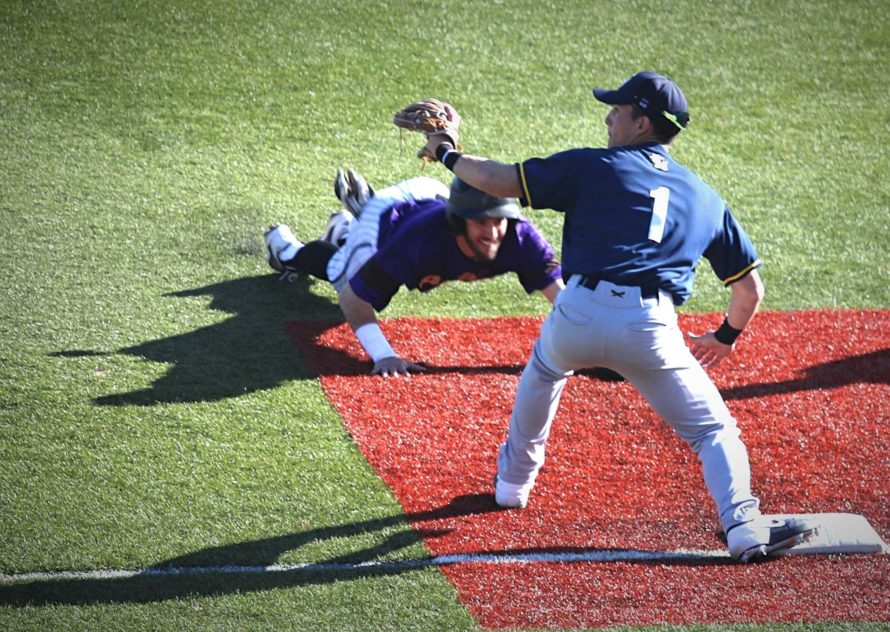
{"points": [[281, 246], [337, 227], [511, 496], [352, 190], [758, 539]]}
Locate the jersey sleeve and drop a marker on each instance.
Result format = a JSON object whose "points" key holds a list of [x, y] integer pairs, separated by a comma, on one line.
{"points": [[550, 182], [732, 254], [539, 265], [374, 285], [402, 261], [410, 253], [405, 244]]}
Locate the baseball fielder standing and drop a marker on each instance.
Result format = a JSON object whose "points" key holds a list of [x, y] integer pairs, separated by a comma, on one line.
{"points": [[636, 224]]}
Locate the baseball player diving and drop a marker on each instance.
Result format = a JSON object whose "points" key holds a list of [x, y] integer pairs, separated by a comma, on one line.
{"points": [[636, 223], [418, 234]]}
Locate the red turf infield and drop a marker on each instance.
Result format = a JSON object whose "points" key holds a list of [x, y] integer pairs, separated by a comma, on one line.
{"points": [[810, 391]]}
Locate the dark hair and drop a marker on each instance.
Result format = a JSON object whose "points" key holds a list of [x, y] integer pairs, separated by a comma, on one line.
{"points": [[664, 129]]}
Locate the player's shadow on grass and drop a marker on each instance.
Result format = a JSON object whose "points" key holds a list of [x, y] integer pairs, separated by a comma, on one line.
{"points": [[241, 568], [867, 368], [189, 575], [250, 351]]}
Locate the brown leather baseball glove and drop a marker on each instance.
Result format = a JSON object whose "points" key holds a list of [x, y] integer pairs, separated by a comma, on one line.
{"points": [[430, 116]]}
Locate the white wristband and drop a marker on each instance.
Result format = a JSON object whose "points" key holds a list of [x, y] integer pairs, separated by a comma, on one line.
{"points": [[374, 342]]}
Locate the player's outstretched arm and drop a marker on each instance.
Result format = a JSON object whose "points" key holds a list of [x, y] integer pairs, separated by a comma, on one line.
{"points": [[485, 174], [712, 348], [552, 290], [363, 320]]}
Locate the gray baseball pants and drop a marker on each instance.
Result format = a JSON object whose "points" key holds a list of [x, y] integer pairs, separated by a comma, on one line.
{"points": [[613, 326]]}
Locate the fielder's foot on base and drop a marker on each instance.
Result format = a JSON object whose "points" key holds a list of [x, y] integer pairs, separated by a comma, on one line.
{"points": [[352, 190], [511, 496], [751, 541], [281, 246]]}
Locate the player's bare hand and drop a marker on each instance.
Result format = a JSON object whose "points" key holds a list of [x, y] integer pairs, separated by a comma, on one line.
{"points": [[708, 350], [434, 140], [395, 366]]}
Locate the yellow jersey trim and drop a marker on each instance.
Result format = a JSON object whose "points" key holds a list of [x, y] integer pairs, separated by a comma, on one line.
{"points": [[738, 276], [524, 185]]}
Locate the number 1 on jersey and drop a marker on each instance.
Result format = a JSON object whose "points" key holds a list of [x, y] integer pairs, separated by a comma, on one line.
{"points": [[659, 213]]}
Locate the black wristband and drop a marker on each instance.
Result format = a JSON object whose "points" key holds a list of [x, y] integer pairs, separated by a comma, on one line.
{"points": [[727, 334], [447, 155], [442, 149]]}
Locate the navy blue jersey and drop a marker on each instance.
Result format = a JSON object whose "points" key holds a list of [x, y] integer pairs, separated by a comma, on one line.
{"points": [[416, 249], [635, 216]]}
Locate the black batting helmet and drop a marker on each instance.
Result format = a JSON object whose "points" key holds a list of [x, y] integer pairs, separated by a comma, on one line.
{"points": [[466, 202]]}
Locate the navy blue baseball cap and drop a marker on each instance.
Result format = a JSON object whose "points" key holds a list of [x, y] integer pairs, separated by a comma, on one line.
{"points": [[653, 93]]}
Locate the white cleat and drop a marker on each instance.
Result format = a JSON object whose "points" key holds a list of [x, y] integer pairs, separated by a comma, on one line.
{"points": [[763, 537], [281, 247], [510, 495], [352, 190]]}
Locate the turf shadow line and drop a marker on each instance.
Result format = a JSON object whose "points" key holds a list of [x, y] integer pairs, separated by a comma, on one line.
{"points": [[250, 566], [245, 353], [340, 364], [867, 368], [152, 587], [164, 583], [505, 556], [597, 373]]}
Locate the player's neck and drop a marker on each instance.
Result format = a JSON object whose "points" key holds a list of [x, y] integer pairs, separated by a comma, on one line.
{"points": [[464, 247]]}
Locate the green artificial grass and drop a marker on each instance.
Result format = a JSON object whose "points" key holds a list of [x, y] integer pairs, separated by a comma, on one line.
{"points": [[152, 407]]}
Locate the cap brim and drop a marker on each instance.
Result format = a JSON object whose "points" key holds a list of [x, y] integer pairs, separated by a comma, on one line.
{"points": [[509, 210], [612, 97]]}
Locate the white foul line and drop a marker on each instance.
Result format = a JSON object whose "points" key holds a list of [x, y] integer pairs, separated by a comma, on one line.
{"points": [[627, 555]]}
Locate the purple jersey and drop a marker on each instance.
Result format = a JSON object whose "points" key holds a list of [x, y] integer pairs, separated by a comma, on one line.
{"points": [[417, 249], [635, 216]]}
